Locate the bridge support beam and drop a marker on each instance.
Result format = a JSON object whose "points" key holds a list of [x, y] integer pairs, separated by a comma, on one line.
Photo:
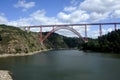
{"points": [[28, 29], [41, 35], [41, 39], [100, 29], [24, 29], [115, 27], [53, 28], [86, 40]]}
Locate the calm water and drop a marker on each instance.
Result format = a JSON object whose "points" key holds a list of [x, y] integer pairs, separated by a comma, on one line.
{"points": [[64, 65]]}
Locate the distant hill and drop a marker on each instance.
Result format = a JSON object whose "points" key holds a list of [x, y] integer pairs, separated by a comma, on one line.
{"points": [[14, 40]]}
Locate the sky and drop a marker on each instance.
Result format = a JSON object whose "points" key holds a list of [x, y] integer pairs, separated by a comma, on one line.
{"points": [[43, 12]]}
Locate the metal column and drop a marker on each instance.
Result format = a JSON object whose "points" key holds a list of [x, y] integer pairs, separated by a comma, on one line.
{"points": [[40, 34], [86, 40], [115, 27], [100, 30]]}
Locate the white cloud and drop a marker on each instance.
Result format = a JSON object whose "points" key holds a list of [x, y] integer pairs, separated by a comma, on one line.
{"points": [[63, 16], [93, 6], [116, 14], [73, 17], [74, 2], [101, 9], [100, 6], [70, 8], [109, 30], [98, 16], [96, 33], [25, 5], [66, 33], [36, 18], [3, 19], [40, 18], [92, 10], [21, 22]]}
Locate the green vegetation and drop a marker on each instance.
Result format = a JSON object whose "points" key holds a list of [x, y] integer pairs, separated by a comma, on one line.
{"points": [[14, 40], [57, 41], [106, 43], [73, 42]]}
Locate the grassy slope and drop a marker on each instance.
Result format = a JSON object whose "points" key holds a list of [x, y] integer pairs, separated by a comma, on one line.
{"points": [[14, 40]]}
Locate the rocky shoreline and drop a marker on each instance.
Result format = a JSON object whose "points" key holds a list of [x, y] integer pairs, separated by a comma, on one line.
{"points": [[4, 75], [18, 54], [22, 54]]}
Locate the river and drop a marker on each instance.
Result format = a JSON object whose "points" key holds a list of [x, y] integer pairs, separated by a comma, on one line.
{"points": [[64, 65]]}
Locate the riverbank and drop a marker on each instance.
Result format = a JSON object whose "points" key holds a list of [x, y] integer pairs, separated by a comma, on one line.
{"points": [[4, 75], [22, 54]]}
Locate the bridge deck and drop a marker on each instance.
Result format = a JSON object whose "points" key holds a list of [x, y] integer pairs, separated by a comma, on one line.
{"points": [[65, 25]]}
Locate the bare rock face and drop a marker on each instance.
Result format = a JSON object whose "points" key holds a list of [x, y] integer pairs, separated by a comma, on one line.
{"points": [[4, 75]]}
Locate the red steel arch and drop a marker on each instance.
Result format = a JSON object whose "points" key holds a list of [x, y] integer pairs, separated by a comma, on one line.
{"points": [[66, 26], [58, 28]]}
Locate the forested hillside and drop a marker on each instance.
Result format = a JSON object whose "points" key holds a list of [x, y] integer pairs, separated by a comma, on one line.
{"points": [[14, 40], [106, 43]]}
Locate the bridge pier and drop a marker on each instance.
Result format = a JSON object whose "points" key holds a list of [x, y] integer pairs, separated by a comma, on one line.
{"points": [[53, 28], [41, 39], [66, 26], [28, 29], [24, 28], [40, 35], [100, 29], [86, 40], [115, 27]]}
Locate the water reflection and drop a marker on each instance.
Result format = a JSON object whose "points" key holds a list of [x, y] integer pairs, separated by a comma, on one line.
{"points": [[64, 65]]}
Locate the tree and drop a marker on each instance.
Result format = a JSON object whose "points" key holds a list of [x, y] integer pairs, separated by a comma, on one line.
{"points": [[106, 43]]}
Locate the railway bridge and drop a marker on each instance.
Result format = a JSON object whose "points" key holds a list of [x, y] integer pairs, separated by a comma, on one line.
{"points": [[70, 27]]}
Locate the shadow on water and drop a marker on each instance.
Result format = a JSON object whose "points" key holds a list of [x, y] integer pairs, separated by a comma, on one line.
{"points": [[107, 55]]}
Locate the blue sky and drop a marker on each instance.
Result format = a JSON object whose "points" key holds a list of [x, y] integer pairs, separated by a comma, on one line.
{"points": [[37, 12], [52, 7]]}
